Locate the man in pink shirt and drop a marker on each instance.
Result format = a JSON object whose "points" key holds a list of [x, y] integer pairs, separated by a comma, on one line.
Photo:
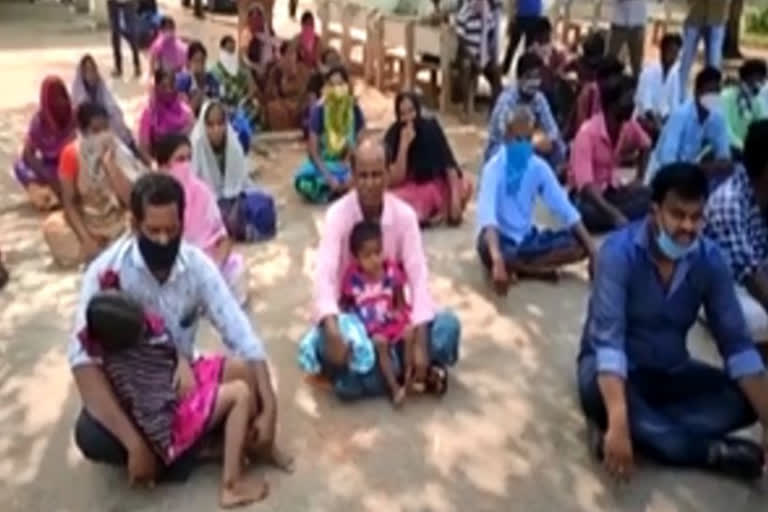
{"points": [[601, 144], [437, 333]]}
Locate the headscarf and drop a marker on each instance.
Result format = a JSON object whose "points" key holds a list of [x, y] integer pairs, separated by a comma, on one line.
{"points": [[83, 92], [91, 150], [430, 154], [166, 113], [234, 180], [309, 44], [203, 225], [261, 47], [338, 115], [54, 123]]}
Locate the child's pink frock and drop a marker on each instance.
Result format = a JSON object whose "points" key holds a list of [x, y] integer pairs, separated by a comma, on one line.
{"points": [[374, 301], [142, 377]]}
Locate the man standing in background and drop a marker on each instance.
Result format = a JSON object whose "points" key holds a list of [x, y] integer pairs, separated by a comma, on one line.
{"points": [[705, 20], [628, 28], [127, 11], [522, 17]]}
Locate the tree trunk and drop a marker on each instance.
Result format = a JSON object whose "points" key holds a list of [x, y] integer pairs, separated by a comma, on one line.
{"points": [[733, 30]]}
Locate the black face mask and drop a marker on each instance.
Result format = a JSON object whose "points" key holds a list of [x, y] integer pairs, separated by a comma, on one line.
{"points": [[624, 112], [159, 256]]}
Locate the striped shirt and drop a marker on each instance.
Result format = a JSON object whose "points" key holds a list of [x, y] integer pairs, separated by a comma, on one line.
{"points": [[475, 19], [142, 378]]}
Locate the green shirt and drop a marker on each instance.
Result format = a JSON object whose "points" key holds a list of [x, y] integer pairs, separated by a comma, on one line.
{"points": [[740, 111]]}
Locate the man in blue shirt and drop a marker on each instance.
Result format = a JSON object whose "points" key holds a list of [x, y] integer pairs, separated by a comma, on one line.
{"points": [[696, 131], [508, 242], [180, 283], [637, 382], [526, 91]]}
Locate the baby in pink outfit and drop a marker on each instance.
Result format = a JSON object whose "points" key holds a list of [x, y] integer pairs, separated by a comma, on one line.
{"points": [[374, 288]]}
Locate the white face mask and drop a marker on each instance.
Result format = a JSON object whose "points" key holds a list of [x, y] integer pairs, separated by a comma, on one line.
{"points": [[710, 102], [229, 61]]}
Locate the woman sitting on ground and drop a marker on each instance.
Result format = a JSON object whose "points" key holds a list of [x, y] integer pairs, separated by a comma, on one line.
{"points": [[166, 113], [260, 48], [168, 51], [196, 83], [309, 44], [203, 225], [422, 168], [88, 86], [334, 125], [329, 59], [285, 91], [51, 128], [238, 92], [219, 161], [95, 190]]}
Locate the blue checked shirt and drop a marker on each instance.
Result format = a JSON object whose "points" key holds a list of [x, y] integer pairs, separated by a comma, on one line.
{"points": [[545, 121], [635, 322], [194, 288], [736, 222]]}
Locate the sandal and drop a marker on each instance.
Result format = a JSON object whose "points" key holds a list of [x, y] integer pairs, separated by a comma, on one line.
{"points": [[437, 380]]}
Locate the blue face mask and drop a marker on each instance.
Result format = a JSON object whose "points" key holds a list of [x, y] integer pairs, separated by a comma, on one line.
{"points": [[671, 248], [518, 153]]}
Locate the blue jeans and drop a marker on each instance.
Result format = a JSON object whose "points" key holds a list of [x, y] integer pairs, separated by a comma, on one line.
{"points": [[443, 346], [674, 416], [127, 13], [713, 36]]}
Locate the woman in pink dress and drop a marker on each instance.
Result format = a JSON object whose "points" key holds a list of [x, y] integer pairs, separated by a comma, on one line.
{"points": [[203, 224]]}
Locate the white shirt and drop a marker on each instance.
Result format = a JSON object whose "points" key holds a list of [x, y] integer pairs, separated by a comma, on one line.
{"points": [[195, 288], [657, 93]]}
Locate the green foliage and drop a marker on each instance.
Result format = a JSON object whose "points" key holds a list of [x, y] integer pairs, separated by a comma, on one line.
{"points": [[757, 21]]}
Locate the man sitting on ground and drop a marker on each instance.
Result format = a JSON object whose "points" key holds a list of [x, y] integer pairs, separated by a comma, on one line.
{"points": [[736, 219], [696, 132], [596, 155], [637, 382], [508, 242], [658, 92], [526, 91], [742, 104], [180, 283], [331, 345]]}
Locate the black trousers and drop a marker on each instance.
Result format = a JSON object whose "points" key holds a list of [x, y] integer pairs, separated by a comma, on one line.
{"points": [[519, 27], [632, 201], [97, 444]]}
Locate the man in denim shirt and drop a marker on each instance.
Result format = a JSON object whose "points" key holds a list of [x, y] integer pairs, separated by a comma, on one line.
{"points": [[639, 386]]}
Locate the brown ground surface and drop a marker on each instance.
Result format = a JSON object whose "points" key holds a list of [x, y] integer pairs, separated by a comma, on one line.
{"points": [[508, 436]]}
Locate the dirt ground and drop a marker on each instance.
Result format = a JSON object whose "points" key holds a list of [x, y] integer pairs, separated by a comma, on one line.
{"points": [[508, 436]]}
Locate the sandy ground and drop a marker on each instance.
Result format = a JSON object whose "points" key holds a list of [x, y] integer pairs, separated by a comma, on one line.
{"points": [[508, 436]]}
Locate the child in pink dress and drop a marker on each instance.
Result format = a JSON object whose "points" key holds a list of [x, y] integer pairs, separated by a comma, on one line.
{"points": [[173, 402], [374, 288]]}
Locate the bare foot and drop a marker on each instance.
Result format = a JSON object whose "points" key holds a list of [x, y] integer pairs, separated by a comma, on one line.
{"points": [[418, 387], [398, 397], [243, 492], [281, 460]]}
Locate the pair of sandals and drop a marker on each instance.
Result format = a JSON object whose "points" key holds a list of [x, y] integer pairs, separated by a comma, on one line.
{"points": [[436, 382]]}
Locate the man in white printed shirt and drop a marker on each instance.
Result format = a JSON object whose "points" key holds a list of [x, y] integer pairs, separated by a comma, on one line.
{"points": [[181, 284], [658, 91]]}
